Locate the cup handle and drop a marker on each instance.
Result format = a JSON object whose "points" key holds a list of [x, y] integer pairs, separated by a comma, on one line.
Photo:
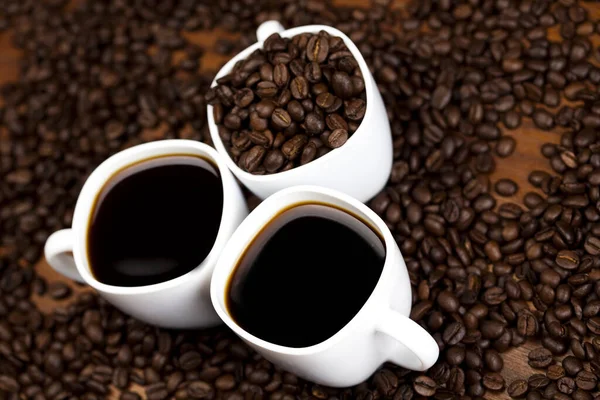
{"points": [[58, 251], [414, 347], [268, 28]]}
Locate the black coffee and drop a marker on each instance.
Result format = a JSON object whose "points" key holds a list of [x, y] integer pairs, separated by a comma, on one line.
{"points": [[305, 275], [155, 221]]}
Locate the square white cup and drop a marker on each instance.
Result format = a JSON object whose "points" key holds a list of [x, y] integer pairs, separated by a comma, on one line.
{"points": [[381, 331], [182, 302], [360, 168]]}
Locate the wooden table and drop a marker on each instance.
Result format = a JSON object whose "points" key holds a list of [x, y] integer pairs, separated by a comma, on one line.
{"points": [[526, 158]]}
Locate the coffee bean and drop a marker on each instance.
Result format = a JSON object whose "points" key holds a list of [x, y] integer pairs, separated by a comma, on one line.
{"points": [[325, 100], [586, 380], [566, 385], [280, 118], [314, 124], [567, 259], [505, 146], [9, 384], [199, 390], [317, 48], [335, 121], [299, 87], [190, 360], [441, 97], [342, 85], [506, 187], [244, 97], [448, 301], [337, 138], [253, 158], [581, 395], [355, 109], [281, 75], [386, 382], [540, 358], [424, 386], [555, 372], [493, 381], [454, 333], [572, 365], [59, 290], [592, 245], [492, 329], [517, 388], [266, 89], [225, 382], [293, 147], [543, 119], [539, 381]]}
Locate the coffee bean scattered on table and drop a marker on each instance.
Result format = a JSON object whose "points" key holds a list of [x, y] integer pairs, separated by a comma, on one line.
{"points": [[455, 77], [289, 103]]}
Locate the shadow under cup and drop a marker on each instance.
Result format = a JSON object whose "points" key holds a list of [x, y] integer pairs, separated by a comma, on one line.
{"points": [[154, 220], [305, 274]]}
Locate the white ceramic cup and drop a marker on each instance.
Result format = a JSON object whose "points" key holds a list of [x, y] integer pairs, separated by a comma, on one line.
{"points": [[380, 332], [360, 167], [182, 302]]}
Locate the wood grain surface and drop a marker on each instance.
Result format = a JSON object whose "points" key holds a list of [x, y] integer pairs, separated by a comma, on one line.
{"points": [[526, 158]]}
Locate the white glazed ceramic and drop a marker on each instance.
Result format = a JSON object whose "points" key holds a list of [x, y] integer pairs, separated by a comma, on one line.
{"points": [[381, 331], [183, 302], [359, 168]]}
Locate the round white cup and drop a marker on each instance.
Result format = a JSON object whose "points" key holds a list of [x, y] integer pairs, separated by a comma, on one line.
{"points": [[182, 302], [360, 167], [380, 332]]}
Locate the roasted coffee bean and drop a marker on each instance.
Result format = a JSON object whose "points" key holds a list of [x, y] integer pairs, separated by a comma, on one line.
{"points": [[506, 187], [355, 109], [538, 381], [59, 290], [9, 384], [565, 385], [448, 301], [555, 372], [337, 138], [454, 333], [299, 88], [543, 119], [567, 259], [342, 85], [317, 48], [386, 382], [517, 388], [572, 365], [505, 146], [493, 381], [292, 148], [424, 386], [190, 360], [586, 380], [441, 97], [540, 358]]}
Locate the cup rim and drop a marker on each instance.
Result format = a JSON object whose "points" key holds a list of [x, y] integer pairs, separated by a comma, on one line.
{"points": [[98, 179], [223, 271], [319, 162]]}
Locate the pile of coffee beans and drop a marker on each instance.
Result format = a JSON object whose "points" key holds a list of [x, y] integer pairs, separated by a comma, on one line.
{"points": [[289, 103], [488, 274]]}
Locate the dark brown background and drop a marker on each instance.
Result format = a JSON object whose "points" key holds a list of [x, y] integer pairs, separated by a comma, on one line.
{"points": [[526, 158]]}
